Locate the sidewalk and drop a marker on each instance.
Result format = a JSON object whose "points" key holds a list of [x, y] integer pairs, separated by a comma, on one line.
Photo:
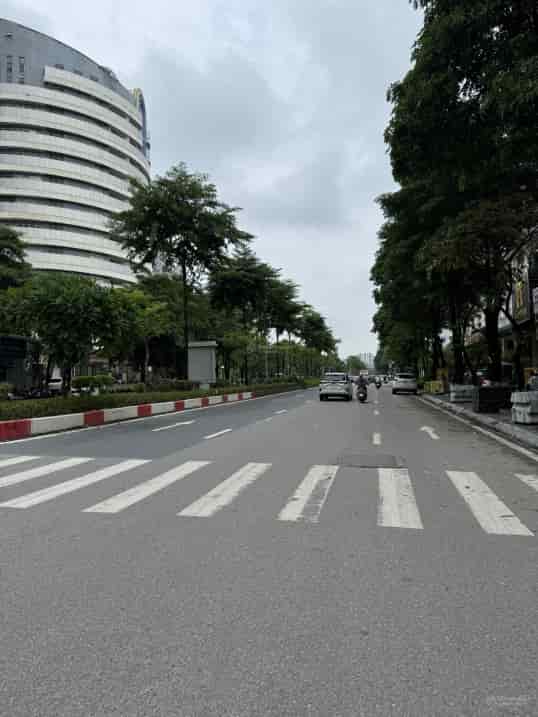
{"points": [[499, 422]]}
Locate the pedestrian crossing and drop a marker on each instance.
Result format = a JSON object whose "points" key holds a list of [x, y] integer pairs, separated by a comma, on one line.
{"points": [[398, 506]]}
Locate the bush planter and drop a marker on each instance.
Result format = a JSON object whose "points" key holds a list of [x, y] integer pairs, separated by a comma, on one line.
{"points": [[490, 399]]}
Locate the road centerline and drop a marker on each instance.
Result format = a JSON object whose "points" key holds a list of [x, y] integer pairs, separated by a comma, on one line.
{"points": [[174, 425], [217, 434]]}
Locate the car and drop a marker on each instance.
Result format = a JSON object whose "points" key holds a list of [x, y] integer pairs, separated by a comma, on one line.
{"points": [[335, 385], [404, 383], [55, 385]]}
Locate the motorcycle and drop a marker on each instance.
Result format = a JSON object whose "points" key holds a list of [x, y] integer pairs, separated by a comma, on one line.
{"points": [[378, 383], [362, 393]]}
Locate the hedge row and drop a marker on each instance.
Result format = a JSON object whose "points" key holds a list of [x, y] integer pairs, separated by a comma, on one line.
{"points": [[38, 408]]}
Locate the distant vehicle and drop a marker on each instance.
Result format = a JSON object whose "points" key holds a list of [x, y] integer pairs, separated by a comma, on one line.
{"points": [[55, 385], [404, 383], [335, 385]]}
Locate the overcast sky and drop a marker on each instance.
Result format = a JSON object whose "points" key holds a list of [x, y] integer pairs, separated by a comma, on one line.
{"points": [[283, 103]]}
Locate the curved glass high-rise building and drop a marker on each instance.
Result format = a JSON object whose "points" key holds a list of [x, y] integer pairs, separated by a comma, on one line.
{"points": [[71, 137]]}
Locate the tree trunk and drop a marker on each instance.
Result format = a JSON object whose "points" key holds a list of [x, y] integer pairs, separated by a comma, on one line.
{"points": [[48, 373], [66, 380], [494, 346], [186, 316], [519, 373], [457, 344], [470, 366], [146, 361]]}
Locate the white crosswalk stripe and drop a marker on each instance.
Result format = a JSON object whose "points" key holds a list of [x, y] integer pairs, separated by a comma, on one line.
{"points": [[48, 469], [54, 491], [397, 505], [531, 481], [491, 513], [134, 495], [309, 498], [226, 491], [16, 460]]}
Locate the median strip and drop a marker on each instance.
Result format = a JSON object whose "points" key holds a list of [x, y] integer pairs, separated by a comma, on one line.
{"points": [[45, 426]]}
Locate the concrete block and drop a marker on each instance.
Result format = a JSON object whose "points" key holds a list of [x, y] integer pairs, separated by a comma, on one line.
{"points": [[51, 424], [163, 407], [461, 393], [120, 414]]}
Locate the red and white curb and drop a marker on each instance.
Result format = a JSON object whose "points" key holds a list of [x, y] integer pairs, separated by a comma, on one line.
{"points": [[27, 427]]}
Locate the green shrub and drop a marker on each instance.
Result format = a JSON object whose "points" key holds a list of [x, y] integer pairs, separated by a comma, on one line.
{"points": [[37, 408], [172, 384], [82, 382], [5, 388]]}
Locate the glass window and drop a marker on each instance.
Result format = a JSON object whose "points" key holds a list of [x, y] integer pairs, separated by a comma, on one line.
{"points": [[21, 65]]}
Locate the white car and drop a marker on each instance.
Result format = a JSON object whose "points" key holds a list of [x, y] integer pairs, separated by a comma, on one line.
{"points": [[335, 385], [405, 383], [55, 385]]}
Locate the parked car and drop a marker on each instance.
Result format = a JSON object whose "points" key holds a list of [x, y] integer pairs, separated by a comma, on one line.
{"points": [[404, 383], [335, 385], [55, 385]]}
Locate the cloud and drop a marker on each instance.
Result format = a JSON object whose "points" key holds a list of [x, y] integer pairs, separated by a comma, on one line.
{"points": [[25, 15], [283, 104]]}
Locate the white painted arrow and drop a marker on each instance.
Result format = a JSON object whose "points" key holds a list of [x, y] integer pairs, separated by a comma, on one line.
{"points": [[431, 433]]}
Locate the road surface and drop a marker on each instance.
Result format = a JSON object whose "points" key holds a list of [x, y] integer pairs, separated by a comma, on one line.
{"points": [[280, 557]]}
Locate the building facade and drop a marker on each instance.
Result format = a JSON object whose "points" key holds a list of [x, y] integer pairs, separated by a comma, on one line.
{"points": [[71, 138]]}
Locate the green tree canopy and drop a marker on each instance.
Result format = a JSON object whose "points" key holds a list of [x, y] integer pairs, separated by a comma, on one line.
{"points": [[14, 269], [178, 222]]}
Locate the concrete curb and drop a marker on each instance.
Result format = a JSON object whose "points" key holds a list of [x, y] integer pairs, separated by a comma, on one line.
{"points": [[519, 435], [27, 427]]}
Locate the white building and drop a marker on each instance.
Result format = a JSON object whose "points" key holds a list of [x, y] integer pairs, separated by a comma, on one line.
{"points": [[71, 137]]}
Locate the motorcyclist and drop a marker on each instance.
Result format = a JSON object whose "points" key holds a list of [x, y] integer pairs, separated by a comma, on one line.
{"points": [[362, 385]]}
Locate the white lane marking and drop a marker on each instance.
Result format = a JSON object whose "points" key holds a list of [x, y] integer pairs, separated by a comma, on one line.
{"points": [[490, 434], [531, 481], [269, 419], [376, 439], [489, 510], [376, 413], [159, 415], [174, 425], [6, 462], [284, 410], [68, 486], [144, 490], [376, 402], [308, 500], [217, 434], [223, 494], [397, 504], [49, 469], [431, 433]]}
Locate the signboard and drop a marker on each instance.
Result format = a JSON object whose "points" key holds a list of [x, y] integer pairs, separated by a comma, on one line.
{"points": [[12, 348], [521, 298]]}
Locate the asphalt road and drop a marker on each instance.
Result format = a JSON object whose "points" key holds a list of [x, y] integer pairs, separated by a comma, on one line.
{"points": [[279, 557]]}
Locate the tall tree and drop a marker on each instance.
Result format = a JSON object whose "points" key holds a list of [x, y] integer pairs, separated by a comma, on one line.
{"points": [[14, 269], [69, 314], [179, 222], [463, 124]]}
